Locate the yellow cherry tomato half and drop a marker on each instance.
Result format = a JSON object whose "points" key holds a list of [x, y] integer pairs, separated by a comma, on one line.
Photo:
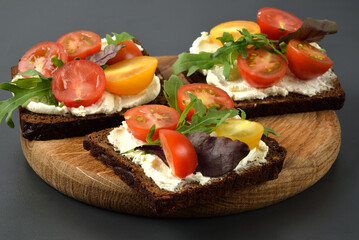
{"points": [[233, 27], [130, 76], [243, 130]]}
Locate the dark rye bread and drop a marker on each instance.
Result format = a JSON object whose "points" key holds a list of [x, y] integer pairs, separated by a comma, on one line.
{"points": [[35, 126], [292, 103], [163, 201]]}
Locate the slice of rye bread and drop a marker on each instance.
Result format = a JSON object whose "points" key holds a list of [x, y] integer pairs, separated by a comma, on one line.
{"points": [[163, 201], [332, 99], [35, 126]]}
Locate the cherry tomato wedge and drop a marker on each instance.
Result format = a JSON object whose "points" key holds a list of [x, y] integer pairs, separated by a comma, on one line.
{"points": [[179, 151], [39, 58], [79, 83], [140, 120], [277, 23], [233, 27], [306, 61], [210, 96], [80, 44], [130, 76], [262, 69], [243, 130], [127, 52]]}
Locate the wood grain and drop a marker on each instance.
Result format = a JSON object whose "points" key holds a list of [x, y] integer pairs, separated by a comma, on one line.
{"points": [[312, 141]]}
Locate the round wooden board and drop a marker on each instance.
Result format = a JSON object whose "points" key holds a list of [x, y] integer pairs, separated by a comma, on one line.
{"points": [[312, 141]]}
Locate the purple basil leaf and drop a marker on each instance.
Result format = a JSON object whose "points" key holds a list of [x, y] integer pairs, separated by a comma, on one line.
{"points": [[217, 155], [106, 54], [155, 149], [312, 30]]}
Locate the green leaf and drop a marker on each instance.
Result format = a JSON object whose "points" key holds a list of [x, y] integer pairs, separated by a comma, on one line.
{"points": [[192, 62], [209, 122], [27, 83], [57, 62], [149, 136], [118, 38], [171, 87], [243, 113], [33, 72], [182, 119], [226, 37], [269, 130], [41, 92]]}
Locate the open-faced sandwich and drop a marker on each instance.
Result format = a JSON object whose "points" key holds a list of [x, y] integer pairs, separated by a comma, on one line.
{"points": [[177, 157], [80, 84], [274, 66]]}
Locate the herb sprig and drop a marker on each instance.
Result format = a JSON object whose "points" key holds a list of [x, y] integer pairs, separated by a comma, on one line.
{"points": [[37, 88], [225, 55]]}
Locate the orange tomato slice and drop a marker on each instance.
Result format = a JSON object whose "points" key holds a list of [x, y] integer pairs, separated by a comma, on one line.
{"points": [[243, 130], [130, 76], [233, 27]]}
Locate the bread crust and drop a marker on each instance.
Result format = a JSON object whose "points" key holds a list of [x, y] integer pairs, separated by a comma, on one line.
{"points": [[35, 126], [332, 99], [163, 201]]}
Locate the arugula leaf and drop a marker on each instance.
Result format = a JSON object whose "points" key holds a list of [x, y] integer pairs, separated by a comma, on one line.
{"points": [[312, 30], [182, 119], [225, 55], [57, 62], [192, 62], [26, 89], [118, 37], [41, 90], [33, 72], [171, 87], [208, 122], [149, 136], [243, 114], [269, 130]]}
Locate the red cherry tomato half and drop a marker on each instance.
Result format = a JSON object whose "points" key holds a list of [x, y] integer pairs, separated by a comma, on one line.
{"points": [[39, 58], [262, 69], [80, 44], [179, 151], [306, 61], [140, 119], [79, 83], [277, 23], [210, 96], [127, 52]]}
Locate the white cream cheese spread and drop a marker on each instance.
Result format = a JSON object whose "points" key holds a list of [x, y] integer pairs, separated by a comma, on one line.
{"points": [[161, 174], [108, 103], [239, 89]]}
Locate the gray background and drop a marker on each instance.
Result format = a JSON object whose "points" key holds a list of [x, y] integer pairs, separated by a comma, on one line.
{"points": [[30, 209]]}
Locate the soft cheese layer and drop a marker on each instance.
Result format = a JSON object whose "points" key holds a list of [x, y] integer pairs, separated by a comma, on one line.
{"points": [[239, 89], [161, 174]]}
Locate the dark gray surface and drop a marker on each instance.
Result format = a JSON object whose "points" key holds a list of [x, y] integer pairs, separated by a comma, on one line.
{"points": [[31, 209]]}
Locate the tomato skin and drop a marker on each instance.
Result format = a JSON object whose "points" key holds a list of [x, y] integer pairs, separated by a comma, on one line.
{"points": [[179, 151], [306, 62], [232, 27], [262, 69], [140, 119], [79, 83], [39, 58], [276, 23], [130, 76], [243, 130], [80, 44], [127, 52], [210, 96]]}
